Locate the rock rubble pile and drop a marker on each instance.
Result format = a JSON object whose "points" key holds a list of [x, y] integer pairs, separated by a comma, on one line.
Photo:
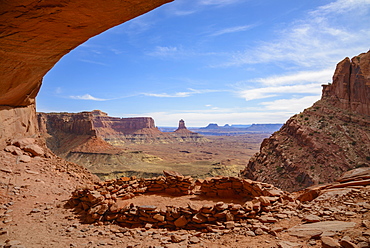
{"points": [[25, 149]]}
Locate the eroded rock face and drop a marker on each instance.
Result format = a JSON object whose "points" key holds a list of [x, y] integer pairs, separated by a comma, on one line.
{"points": [[36, 34], [351, 85], [16, 123], [325, 140]]}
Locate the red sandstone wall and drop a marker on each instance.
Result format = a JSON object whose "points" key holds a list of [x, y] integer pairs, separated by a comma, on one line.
{"points": [[350, 89], [79, 123], [88, 123]]}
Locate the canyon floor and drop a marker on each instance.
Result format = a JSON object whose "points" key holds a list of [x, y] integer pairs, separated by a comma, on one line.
{"points": [[222, 155], [33, 214]]}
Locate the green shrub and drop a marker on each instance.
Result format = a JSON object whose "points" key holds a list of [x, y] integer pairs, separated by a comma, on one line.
{"points": [[279, 169]]}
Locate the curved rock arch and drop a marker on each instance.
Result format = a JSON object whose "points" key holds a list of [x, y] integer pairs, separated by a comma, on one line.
{"points": [[35, 35]]}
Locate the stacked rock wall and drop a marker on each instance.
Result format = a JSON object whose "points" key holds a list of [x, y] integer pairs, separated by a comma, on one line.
{"points": [[109, 202]]}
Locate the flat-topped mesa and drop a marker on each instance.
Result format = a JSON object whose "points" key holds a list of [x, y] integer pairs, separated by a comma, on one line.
{"points": [[350, 89], [182, 128], [98, 124], [125, 126]]}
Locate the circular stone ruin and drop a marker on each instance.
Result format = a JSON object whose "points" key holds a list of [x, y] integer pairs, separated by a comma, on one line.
{"points": [[175, 201]]}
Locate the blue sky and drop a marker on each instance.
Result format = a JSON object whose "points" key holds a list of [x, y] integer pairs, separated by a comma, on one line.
{"points": [[211, 61]]}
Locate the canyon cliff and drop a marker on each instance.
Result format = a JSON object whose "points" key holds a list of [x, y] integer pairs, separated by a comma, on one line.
{"points": [[325, 140], [113, 130], [100, 142], [35, 35]]}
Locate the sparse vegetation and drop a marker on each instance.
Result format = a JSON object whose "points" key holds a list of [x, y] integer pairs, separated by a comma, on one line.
{"points": [[299, 179]]}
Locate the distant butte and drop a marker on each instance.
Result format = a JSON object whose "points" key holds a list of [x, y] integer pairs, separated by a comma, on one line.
{"points": [[182, 128]]}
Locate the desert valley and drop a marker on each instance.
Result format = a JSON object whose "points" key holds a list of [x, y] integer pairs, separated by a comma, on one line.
{"points": [[91, 180]]}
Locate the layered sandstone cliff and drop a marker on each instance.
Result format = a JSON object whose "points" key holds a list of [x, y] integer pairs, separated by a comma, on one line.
{"points": [[325, 140], [99, 142], [34, 36]]}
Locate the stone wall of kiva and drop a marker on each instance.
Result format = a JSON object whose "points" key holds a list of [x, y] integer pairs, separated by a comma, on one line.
{"points": [[108, 202]]}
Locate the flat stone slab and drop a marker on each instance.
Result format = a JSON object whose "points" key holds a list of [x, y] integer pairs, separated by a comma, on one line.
{"points": [[324, 226]]}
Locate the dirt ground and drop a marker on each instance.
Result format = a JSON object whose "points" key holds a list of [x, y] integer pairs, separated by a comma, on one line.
{"points": [[32, 214]]}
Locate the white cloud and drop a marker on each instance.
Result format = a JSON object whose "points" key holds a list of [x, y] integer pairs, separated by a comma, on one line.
{"points": [[266, 92], [93, 62], [184, 12], [341, 6], [293, 105], [320, 39], [232, 30], [164, 51], [88, 97], [322, 76], [180, 94], [218, 2], [177, 94]]}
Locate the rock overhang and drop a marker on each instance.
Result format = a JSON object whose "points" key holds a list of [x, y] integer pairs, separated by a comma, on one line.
{"points": [[35, 35]]}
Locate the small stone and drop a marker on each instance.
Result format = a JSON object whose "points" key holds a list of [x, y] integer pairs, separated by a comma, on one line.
{"points": [[177, 238], [182, 221], [311, 218], [34, 149], [363, 244], [194, 240], [259, 231], [148, 226], [287, 244], [148, 207], [11, 243], [198, 218], [159, 217], [24, 158], [328, 242], [250, 233], [312, 242], [267, 219], [32, 172], [7, 170], [229, 224], [35, 210], [366, 223], [13, 150], [347, 244]]}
